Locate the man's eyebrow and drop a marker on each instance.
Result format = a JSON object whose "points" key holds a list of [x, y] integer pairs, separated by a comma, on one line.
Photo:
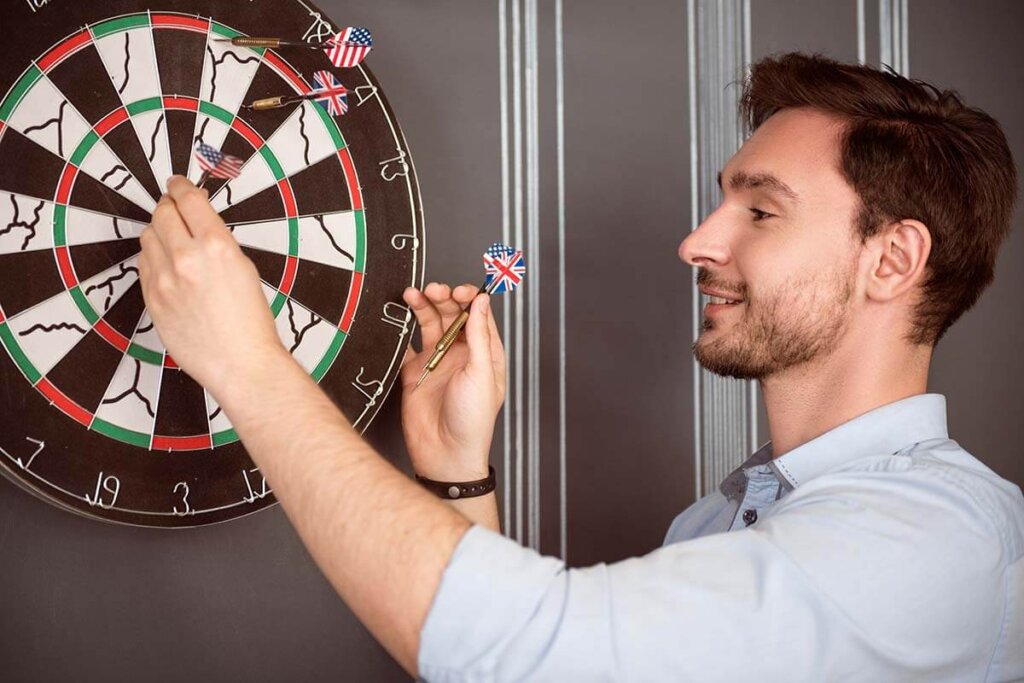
{"points": [[764, 181]]}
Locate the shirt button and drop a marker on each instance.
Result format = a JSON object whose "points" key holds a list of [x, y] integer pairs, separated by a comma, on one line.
{"points": [[749, 516]]}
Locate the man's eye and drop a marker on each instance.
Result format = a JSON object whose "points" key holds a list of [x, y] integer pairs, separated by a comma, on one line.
{"points": [[760, 215]]}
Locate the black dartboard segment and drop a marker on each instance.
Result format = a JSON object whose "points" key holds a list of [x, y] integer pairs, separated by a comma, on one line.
{"points": [[102, 102]]}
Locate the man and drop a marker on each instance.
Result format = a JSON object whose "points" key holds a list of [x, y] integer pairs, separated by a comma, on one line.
{"points": [[859, 221]]}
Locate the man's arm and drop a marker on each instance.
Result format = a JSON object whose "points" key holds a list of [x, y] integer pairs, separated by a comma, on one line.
{"points": [[381, 540]]}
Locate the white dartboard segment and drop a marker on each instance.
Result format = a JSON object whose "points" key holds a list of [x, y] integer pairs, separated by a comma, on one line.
{"points": [[26, 223], [89, 227], [46, 118], [329, 239], [106, 288], [130, 400], [305, 334], [130, 61], [271, 236], [48, 330], [228, 72], [147, 336], [301, 140]]}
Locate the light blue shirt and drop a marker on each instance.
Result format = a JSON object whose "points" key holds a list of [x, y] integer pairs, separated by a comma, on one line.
{"points": [[878, 551]]}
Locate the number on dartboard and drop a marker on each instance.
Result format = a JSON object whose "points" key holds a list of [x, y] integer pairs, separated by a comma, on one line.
{"points": [[98, 110]]}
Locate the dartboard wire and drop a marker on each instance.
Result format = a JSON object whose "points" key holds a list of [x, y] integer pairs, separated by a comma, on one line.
{"points": [[100, 141], [207, 58], [400, 144]]}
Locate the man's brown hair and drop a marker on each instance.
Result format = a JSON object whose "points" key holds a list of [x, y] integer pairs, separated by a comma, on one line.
{"points": [[910, 151]]}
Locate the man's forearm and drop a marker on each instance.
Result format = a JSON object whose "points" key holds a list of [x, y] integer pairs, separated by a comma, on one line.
{"points": [[381, 540], [482, 510]]}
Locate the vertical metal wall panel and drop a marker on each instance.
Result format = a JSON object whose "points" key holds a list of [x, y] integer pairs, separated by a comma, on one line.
{"points": [[726, 411]]}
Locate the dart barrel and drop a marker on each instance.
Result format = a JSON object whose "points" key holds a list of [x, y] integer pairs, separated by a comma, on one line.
{"points": [[254, 41], [267, 103]]}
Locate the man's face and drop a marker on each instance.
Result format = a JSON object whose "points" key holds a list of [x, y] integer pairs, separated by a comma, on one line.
{"points": [[793, 270]]}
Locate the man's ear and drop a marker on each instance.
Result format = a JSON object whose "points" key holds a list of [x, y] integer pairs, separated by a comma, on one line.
{"points": [[899, 255]]}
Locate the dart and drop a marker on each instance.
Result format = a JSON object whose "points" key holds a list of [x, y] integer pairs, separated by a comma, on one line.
{"points": [[505, 270], [216, 164], [347, 48], [329, 94]]}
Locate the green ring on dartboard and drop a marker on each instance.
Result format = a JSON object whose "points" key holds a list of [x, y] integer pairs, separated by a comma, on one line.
{"points": [[72, 321]]}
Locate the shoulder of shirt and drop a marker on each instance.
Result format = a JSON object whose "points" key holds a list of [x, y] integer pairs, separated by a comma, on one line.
{"points": [[954, 477]]}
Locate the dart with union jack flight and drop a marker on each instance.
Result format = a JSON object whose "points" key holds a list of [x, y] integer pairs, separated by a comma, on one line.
{"points": [[505, 270], [328, 92], [346, 49]]}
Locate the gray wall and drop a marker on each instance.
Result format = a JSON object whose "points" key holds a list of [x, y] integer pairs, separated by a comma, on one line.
{"points": [[243, 600]]}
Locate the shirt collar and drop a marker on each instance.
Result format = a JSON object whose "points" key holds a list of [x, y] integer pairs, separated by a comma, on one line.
{"points": [[887, 430]]}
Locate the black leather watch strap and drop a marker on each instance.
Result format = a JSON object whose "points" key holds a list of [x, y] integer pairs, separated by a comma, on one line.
{"points": [[453, 490]]}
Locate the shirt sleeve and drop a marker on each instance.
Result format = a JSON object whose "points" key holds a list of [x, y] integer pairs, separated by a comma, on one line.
{"points": [[841, 581]]}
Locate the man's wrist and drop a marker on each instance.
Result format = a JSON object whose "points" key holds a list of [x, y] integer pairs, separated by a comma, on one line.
{"points": [[451, 472], [244, 379]]}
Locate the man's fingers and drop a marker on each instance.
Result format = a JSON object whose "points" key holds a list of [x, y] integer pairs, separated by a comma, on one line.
{"points": [[426, 315], [441, 296], [478, 336], [497, 351], [194, 206], [153, 260], [463, 294], [169, 227]]}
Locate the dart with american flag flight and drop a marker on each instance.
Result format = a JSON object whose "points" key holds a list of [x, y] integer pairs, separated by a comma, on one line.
{"points": [[505, 269], [216, 164], [346, 49], [328, 92]]}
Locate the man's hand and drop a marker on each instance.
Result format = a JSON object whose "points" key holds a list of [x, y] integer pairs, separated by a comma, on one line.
{"points": [[202, 292], [449, 419]]}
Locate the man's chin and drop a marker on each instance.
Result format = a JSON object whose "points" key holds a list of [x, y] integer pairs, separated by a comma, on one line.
{"points": [[724, 363]]}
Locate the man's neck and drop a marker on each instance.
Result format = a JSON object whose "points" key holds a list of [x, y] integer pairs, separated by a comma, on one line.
{"points": [[807, 401]]}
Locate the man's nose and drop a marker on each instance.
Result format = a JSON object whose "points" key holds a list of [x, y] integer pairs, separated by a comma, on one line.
{"points": [[704, 245]]}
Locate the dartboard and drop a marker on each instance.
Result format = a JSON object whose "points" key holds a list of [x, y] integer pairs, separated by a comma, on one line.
{"points": [[103, 102]]}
